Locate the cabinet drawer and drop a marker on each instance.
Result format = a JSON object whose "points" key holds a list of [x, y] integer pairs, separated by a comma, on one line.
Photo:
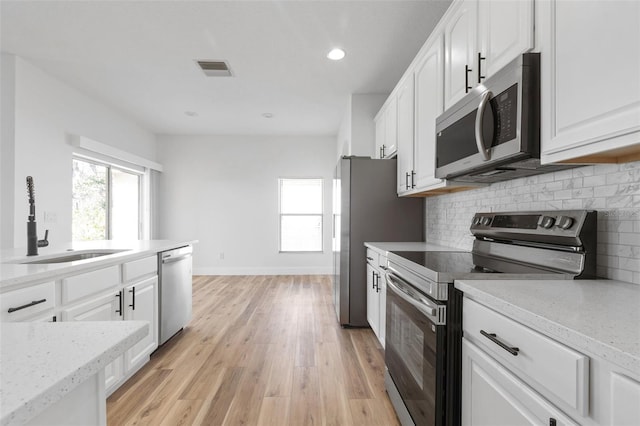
{"points": [[139, 268], [372, 257], [73, 288], [491, 395], [382, 262], [28, 301], [554, 369]]}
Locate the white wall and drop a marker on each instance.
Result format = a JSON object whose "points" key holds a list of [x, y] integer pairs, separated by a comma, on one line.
{"points": [[357, 133], [223, 191], [47, 112], [7, 151]]}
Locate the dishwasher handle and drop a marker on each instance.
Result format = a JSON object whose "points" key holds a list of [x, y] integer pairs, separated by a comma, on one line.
{"points": [[166, 259]]}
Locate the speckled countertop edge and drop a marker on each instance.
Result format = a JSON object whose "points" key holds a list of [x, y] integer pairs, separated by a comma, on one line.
{"points": [[608, 328], [385, 247], [14, 274], [37, 373]]}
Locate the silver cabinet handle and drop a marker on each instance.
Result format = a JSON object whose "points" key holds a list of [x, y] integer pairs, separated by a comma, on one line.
{"points": [[409, 296], [170, 259], [479, 117]]}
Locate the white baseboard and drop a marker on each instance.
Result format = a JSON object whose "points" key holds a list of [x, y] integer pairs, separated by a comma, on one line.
{"points": [[301, 270]]}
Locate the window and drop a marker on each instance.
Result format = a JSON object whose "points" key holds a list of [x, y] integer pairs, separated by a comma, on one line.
{"points": [[106, 201], [300, 215]]}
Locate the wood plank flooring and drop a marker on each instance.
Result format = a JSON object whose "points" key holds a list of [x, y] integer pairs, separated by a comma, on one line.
{"points": [[260, 350]]}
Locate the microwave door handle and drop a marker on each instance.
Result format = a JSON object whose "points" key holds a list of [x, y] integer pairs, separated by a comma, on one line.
{"points": [[482, 150]]}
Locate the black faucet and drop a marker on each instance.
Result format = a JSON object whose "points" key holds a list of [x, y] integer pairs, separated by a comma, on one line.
{"points": [[32, 234]]}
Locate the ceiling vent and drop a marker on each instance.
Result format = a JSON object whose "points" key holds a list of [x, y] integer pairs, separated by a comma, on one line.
{"points": [[215, 68]]}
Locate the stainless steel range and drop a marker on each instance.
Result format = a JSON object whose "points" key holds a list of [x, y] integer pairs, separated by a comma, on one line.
{"points": [[424, 310]]}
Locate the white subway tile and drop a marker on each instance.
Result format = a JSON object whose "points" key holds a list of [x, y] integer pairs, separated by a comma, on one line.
{"points": [[598, 180], [583, 171], [629, 264], [572, 204], [630, 238], [605, 191], [565, 194]]}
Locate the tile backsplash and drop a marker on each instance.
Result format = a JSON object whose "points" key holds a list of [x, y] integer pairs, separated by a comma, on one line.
{"points": [[611, 189]]}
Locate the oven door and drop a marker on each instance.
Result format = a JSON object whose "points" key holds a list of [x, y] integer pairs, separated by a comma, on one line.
{"points": [[415, 350]]}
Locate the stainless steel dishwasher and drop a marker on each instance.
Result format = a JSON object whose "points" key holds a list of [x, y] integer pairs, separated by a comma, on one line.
{"points": [[175, 280]]}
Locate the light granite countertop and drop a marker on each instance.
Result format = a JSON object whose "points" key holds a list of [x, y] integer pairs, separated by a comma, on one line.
{"points": [[601, 317], [41, 362], [13, 273], [384, 248]]}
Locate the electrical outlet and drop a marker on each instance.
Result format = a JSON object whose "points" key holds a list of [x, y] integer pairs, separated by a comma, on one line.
{"points": [[50, 217], [221, 255]]}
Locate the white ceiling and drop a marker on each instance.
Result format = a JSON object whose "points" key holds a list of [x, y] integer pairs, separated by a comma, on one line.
{"points": [[138, 57]]}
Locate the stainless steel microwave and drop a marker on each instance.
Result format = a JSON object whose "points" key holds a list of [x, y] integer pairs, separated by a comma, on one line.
{"points": [[493, 133]]}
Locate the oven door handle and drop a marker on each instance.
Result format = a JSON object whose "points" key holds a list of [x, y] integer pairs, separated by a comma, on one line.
{"points": [[405, 293], [484, 152]]}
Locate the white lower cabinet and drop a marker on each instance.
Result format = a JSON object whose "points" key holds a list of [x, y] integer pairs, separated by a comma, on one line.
{"points": [[133, 300], [377, 293], [105, 307], [625, 400], [141, 304], [29, 303], [515, 375], [373, 302], [491, 395]]}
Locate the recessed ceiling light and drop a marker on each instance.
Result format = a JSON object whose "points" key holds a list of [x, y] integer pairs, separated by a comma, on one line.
{"points": [[267, 115], [191, 113], [336, 54]]}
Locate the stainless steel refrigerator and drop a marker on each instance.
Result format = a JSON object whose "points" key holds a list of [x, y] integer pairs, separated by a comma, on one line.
{"points": [[366, 207]]}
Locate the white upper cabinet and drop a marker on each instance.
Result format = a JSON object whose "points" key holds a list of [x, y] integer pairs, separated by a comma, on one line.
{"points": [[429, 105], [405, 99], [460, 50], [590, 80], [481, 37], [391, 135], [386, 129], [505, 31], [380, 137]]}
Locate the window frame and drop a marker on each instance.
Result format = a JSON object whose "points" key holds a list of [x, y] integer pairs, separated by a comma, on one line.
{"points": [[321, 214], [143, 177]]}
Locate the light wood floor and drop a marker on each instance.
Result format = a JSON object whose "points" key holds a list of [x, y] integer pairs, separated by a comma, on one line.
{"points": [[260, 350]]}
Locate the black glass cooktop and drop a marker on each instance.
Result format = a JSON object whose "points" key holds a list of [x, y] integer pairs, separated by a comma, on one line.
{"points": [[443, 261]]}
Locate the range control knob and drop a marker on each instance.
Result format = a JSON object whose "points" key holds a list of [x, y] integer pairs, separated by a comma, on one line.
{"points": [[486, 221], [547, 221], [475, 221], [565, 222]]}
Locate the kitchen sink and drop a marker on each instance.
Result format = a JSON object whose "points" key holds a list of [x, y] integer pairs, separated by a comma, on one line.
{"points": [[73, 256]]}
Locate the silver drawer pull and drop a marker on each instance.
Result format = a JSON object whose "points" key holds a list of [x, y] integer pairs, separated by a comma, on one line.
{"points": [[494, 338]]}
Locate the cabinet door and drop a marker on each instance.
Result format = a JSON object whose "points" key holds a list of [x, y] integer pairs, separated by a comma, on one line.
{"points": [[460, 51], [141, 304], [625, 395], [405, 134], [390, 128], [505, 30], [493, 396], [373, 310], [380, 135], [590, 89], [102, 308], [429, 105]]}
